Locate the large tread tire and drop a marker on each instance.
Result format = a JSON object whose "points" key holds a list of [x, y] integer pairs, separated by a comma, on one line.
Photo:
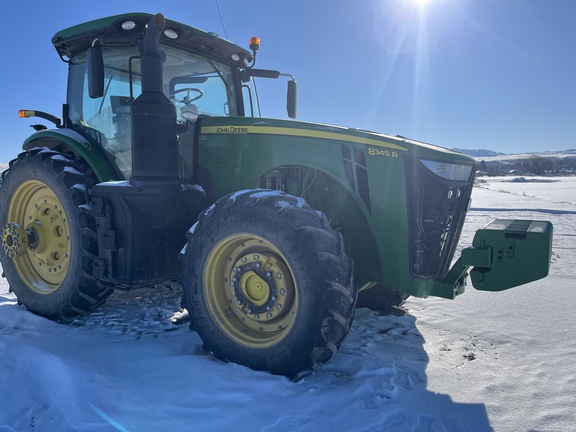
{"points": [[380, 298], [54, 279], [311, 301]]}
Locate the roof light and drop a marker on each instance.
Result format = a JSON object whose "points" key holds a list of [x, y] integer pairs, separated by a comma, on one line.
{"points": [[171, 34], [235, 57], [254, 43], [26, 113], [128, 25]]}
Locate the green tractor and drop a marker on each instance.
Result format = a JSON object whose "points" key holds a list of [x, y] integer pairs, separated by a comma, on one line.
{"points": [[161, 169]]}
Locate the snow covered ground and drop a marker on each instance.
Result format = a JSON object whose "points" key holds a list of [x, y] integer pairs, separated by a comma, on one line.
{"points": [[485, 361]]}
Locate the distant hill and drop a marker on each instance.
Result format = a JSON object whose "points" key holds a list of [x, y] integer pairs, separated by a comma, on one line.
{"points": [[561, 162], [479, 153], [489, 155]]}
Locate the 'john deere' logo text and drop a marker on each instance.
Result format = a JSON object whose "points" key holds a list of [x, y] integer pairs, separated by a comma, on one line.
{"points": [[231, 130]]}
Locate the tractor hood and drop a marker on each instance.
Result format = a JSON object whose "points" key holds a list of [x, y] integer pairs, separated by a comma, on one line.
{"points": [[338, 134]]}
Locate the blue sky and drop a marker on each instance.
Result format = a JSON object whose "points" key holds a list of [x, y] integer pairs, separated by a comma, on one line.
{"points": [[493, 74]]}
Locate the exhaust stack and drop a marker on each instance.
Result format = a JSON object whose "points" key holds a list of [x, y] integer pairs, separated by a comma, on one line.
{"points": [[154, 141]]}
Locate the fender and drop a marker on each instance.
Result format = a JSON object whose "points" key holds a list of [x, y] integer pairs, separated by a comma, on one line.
{"points": [[79, 145]]}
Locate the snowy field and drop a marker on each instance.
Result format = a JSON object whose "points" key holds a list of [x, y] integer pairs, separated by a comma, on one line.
{"points": [[485, 361]]}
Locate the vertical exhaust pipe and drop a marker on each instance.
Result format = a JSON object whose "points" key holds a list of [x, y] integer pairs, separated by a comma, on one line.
{"points": [[154, 140], [152, 75], [148, 218]]}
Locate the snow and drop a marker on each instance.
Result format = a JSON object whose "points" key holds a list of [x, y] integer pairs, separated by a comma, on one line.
{"points": [[79, 187], [484, 361], [262, 193], [116, 183]]}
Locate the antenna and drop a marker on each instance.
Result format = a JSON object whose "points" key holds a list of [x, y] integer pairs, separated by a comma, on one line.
{"points": [[220, 15]]}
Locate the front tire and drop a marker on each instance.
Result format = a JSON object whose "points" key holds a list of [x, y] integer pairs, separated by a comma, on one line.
{"points": [[380, 298], [48, 239], [267, 283]]}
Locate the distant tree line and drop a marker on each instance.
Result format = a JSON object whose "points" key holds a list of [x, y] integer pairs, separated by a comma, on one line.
{"points": [[535, 164], [538, 165]]}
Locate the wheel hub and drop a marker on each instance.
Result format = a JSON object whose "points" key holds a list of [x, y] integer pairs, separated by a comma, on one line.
{"points": [[254, 288], [259, 287], [14, 240]]}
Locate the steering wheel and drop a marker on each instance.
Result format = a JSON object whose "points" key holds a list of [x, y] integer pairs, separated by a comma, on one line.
{"points": [[187, 99]]}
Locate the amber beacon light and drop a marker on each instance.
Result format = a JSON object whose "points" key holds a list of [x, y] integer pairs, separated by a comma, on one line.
{"points": [[25, 113], [254, 43]]}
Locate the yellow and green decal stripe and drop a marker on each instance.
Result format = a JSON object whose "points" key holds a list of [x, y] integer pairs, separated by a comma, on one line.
{"points": [[304, 133]]}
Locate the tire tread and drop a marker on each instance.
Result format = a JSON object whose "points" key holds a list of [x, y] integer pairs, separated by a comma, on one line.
{"points": [[85, 292]]}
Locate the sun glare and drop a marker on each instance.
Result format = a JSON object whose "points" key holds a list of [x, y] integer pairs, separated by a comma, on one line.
{"points": [[401, 27]]}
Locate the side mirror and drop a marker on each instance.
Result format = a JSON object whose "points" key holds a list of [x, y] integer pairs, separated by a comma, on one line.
{"points": [[292, 99], [95, 69]]}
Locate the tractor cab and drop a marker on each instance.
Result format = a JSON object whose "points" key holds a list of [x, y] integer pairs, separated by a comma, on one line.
{"points": [[194, 84], [202, 75]]}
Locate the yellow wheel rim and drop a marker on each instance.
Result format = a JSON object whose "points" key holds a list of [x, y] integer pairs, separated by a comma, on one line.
{"points": [[45, 262], [250, 291]]}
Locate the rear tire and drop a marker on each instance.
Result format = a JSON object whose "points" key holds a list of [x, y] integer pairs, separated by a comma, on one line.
{"points": [[48, 241], [267, 283]]}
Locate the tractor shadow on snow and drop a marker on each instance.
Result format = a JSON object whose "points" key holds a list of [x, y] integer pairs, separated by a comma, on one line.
{"points": [[378, 373]]}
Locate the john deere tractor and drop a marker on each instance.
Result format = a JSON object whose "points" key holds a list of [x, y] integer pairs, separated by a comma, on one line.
{"points": [[161, 168]]}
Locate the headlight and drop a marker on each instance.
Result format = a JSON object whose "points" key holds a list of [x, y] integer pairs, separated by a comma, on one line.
{"points": [[449, 171]]}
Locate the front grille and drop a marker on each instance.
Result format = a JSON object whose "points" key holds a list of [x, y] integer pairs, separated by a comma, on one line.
{"points": [[436, 210]]}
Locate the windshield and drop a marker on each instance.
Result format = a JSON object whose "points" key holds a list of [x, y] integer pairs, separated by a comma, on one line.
{"points": [[191, 82]]}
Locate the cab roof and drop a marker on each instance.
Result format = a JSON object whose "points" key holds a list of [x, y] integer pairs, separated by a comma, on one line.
{"points": [[79, 38]]}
